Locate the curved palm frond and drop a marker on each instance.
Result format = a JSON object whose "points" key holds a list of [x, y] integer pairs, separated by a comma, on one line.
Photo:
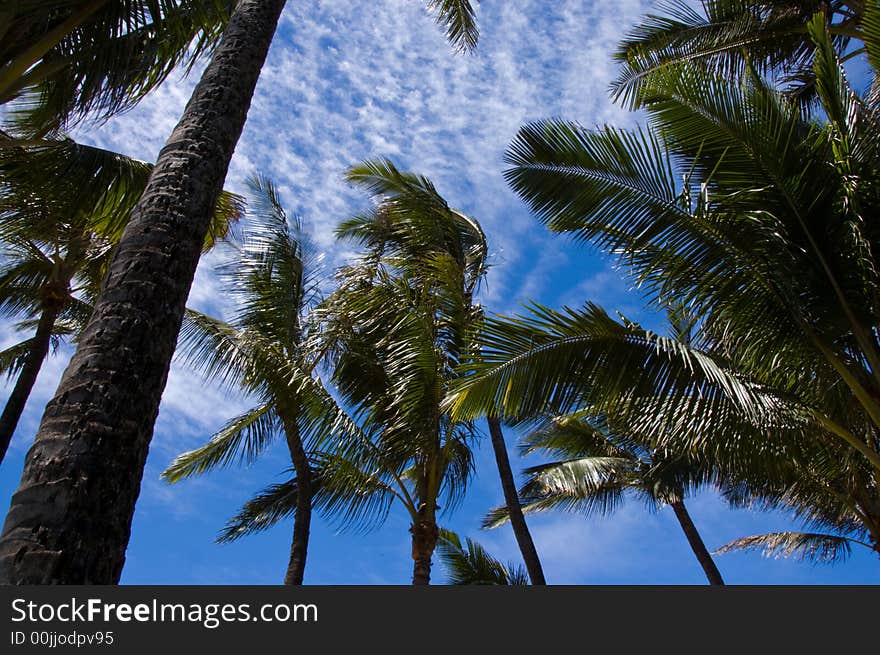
{"points": [[561, 361], [275, 277], [241, 440], [271, 505], [730, 36], [460, 21], [818, 548], [224, 354], [471, 564]]}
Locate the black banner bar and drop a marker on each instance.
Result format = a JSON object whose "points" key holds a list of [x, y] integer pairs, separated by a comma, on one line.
{"points": [[246, 620]]}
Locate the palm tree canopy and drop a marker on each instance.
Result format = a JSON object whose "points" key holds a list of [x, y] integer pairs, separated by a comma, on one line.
{"points": [[594, 467], [273, 278], [68, 59], [730, 37], [769, 241], [63, 206], [396, 328], [267, 350]]}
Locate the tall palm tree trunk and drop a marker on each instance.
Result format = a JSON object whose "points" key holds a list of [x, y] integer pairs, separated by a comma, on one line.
{"points": [[302, 520], [70, 519], [696, 542], [514, 509], [27, 377]]}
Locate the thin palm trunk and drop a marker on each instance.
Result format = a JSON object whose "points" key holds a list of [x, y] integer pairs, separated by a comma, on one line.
{"points": [[514, 509], [696, 543], [70, 518], [424, 539], [302, 520], [27, 377]]}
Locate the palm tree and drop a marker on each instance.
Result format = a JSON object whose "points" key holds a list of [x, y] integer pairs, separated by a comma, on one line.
{"points": [[265, 351], [597, 468], [731, 37], [63, 206], [471, 564], [768, 243], [353, 492], [396, 328], [134, 329], [68, 59]]}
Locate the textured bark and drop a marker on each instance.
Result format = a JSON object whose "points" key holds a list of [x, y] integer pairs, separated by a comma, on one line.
{"points": [[70, 519], [27, 377], [696, 542], [424, 539], [302, 520], [514, 509]]}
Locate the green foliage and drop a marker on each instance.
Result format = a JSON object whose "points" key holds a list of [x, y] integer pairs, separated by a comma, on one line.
{"points": [[395, 330], [754, 221], [731, 37], [470, 564], [595, 466], [63, 206], [66, 60], [767, 241], [459, 19], [819, 548]]}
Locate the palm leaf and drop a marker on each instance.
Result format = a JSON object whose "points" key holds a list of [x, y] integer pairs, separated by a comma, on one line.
{"points": [[241, 440], [471, 564], [459, 19], [106, 63], [818, 548], [727, 38]]}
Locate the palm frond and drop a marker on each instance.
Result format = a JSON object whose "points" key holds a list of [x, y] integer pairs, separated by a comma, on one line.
{"points": [[560, 361], [460, 21], [273, 504], [471, 564], [817, 548], [241, 440], [106, 57], [727, 38]]}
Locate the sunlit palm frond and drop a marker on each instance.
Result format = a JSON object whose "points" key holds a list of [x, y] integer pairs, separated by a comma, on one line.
{"points": [[412, 220], [275, 275], [224, 354], [559, 361], [817, 548]]}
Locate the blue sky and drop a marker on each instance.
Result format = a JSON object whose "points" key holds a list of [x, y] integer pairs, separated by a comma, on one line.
{"points": [[347, 81]]}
